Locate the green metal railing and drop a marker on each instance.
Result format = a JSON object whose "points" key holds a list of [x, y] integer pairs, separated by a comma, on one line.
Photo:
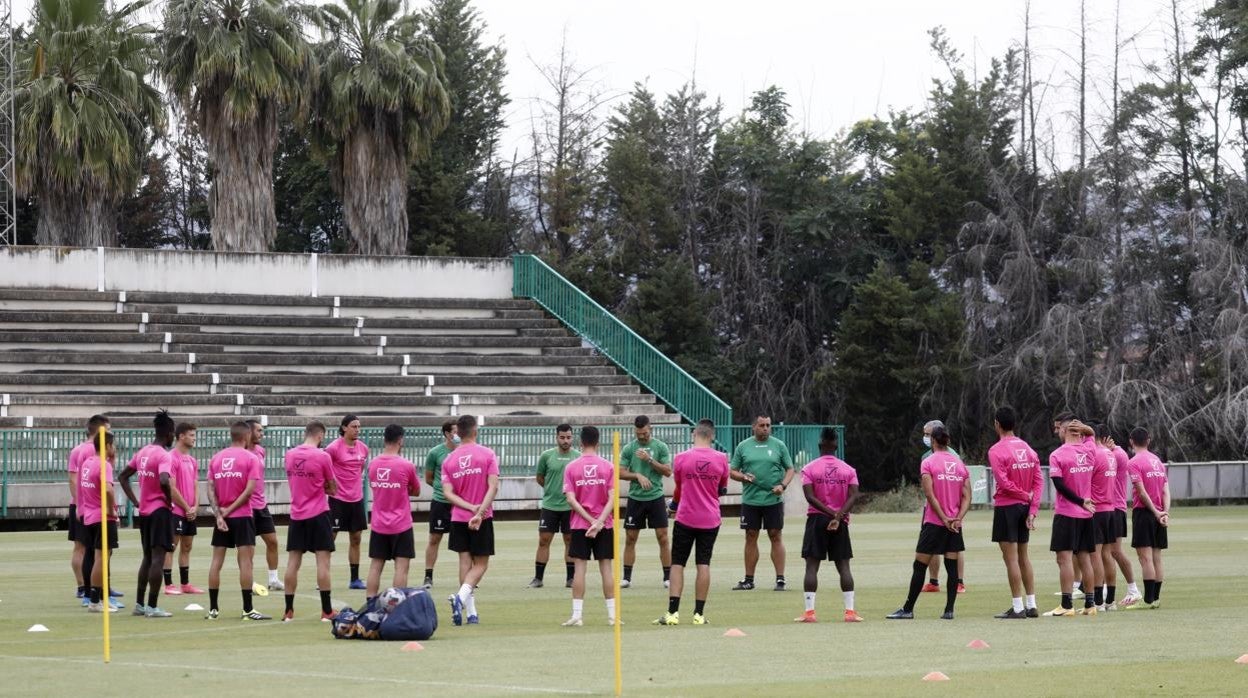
{"points": [[40, 455], [534, 280]]}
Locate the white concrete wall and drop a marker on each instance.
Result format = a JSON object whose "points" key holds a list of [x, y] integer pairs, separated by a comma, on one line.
{"points": [[186, 271]]}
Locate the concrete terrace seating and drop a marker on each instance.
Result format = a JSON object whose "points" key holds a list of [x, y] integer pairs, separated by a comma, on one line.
{"points": [[213, 358]]}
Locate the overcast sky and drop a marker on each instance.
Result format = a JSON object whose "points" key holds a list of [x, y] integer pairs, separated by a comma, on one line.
{"points": [[839, 61]]}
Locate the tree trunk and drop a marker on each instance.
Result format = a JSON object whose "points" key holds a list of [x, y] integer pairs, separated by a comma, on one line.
{"points": [[241, 198], [374, 190], [77, 218]]}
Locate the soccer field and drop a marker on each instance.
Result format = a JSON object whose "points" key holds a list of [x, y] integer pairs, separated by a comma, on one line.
{"points": [[1188, 647]]}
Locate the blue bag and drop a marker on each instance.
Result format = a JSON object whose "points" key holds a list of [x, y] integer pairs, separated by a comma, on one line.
{"points": [[416, 618]]}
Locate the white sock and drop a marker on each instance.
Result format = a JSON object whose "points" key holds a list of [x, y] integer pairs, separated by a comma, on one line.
{"points": [[272, 576], [471, 606], [1018, 604], [465, 592], [611, 610], [849, 600], [1077, 587], [1031, 601], [577, 606], [810, 600], [1133, 589]]}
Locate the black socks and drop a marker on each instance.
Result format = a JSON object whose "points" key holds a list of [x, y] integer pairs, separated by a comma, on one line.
{"points": [[212, 598], [246, 600], [673, 604], [184, 574], [698, 607], [539, 570], [326, 606], [916, 584], [355, 572], [951, 588]]}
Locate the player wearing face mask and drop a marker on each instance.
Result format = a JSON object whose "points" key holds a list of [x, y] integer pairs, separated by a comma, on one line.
{"points": [[933, 567]]}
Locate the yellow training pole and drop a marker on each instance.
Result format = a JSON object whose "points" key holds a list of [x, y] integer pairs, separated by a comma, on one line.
{"points": [[105, 599], [615, 561]]}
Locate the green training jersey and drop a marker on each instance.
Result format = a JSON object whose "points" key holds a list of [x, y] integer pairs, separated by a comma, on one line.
{"points": [[550, 466], [629, 460], [433, 464], [766, 461]]}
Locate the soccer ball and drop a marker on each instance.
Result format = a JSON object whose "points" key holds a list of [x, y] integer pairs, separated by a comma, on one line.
{"points": [[389, 600]]}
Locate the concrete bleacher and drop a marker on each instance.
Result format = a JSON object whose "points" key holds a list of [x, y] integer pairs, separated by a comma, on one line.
{"points": [[213, 358]]}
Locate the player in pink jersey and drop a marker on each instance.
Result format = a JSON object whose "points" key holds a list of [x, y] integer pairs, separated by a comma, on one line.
{"points": [[589, 484], [310, 475], [1150, 521], [470, 483], [157, 496], [1019, 484], [186, 481], [831, 488], [1111, 552], [265, 527], [947, 487], [1071, 469], [346, 508], [232, 477], [93, 502], [393, 482], [701, 476], [82, 555]]}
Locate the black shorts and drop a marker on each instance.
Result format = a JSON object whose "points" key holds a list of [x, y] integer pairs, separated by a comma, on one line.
{"points": [[348, 516], [92, 535], [1075, 535], [478, 543], [600, 547], [72, 523], [1147, 532], [684, 538], [242, 533], [439, 517], [552, 521], [182, 526], [1009, 524], [310, 535], [938, 540], [821, 544], [770, 517], [156, 530], [264, 521], [388, 546], [1120, 524], [1104, 527], [651, 514]]}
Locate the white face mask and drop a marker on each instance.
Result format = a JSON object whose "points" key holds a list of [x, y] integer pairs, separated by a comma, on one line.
{"points": [[927, 441], [455, 439]]}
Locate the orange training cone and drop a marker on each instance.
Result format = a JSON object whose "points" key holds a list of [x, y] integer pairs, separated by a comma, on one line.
{"points": [[734, 632], [935, 676], [413, 647], [978, 645]]}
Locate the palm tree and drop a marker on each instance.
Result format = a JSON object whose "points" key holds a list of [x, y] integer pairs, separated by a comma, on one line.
{"points": [[380, 100], [85, 115], [234, 65]]}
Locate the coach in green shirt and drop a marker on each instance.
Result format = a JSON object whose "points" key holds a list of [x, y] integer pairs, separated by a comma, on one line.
{"points": [[645, 461], [439, 508], [556, 512], [763, 464]]}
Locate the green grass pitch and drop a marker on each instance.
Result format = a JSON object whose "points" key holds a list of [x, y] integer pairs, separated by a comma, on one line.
{"points": [[1188, 647]]}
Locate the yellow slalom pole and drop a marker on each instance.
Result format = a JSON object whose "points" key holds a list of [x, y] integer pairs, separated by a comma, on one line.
{"points": [[615, 562], [104, 497]]}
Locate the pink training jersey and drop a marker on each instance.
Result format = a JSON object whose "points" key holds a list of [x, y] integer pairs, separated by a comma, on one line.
{"points": [[258, 500], [948, 475], [307, 471], [700, 472], [392, 480], [228, 474], [831, 479], [76, 456], [1148, 469], [186, 478], [89, 490], [149, 464], [1122, 471], [590, 479], [467, 470], [1016, 474], [1074, 463], [1104, 480], [349, 465]]}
